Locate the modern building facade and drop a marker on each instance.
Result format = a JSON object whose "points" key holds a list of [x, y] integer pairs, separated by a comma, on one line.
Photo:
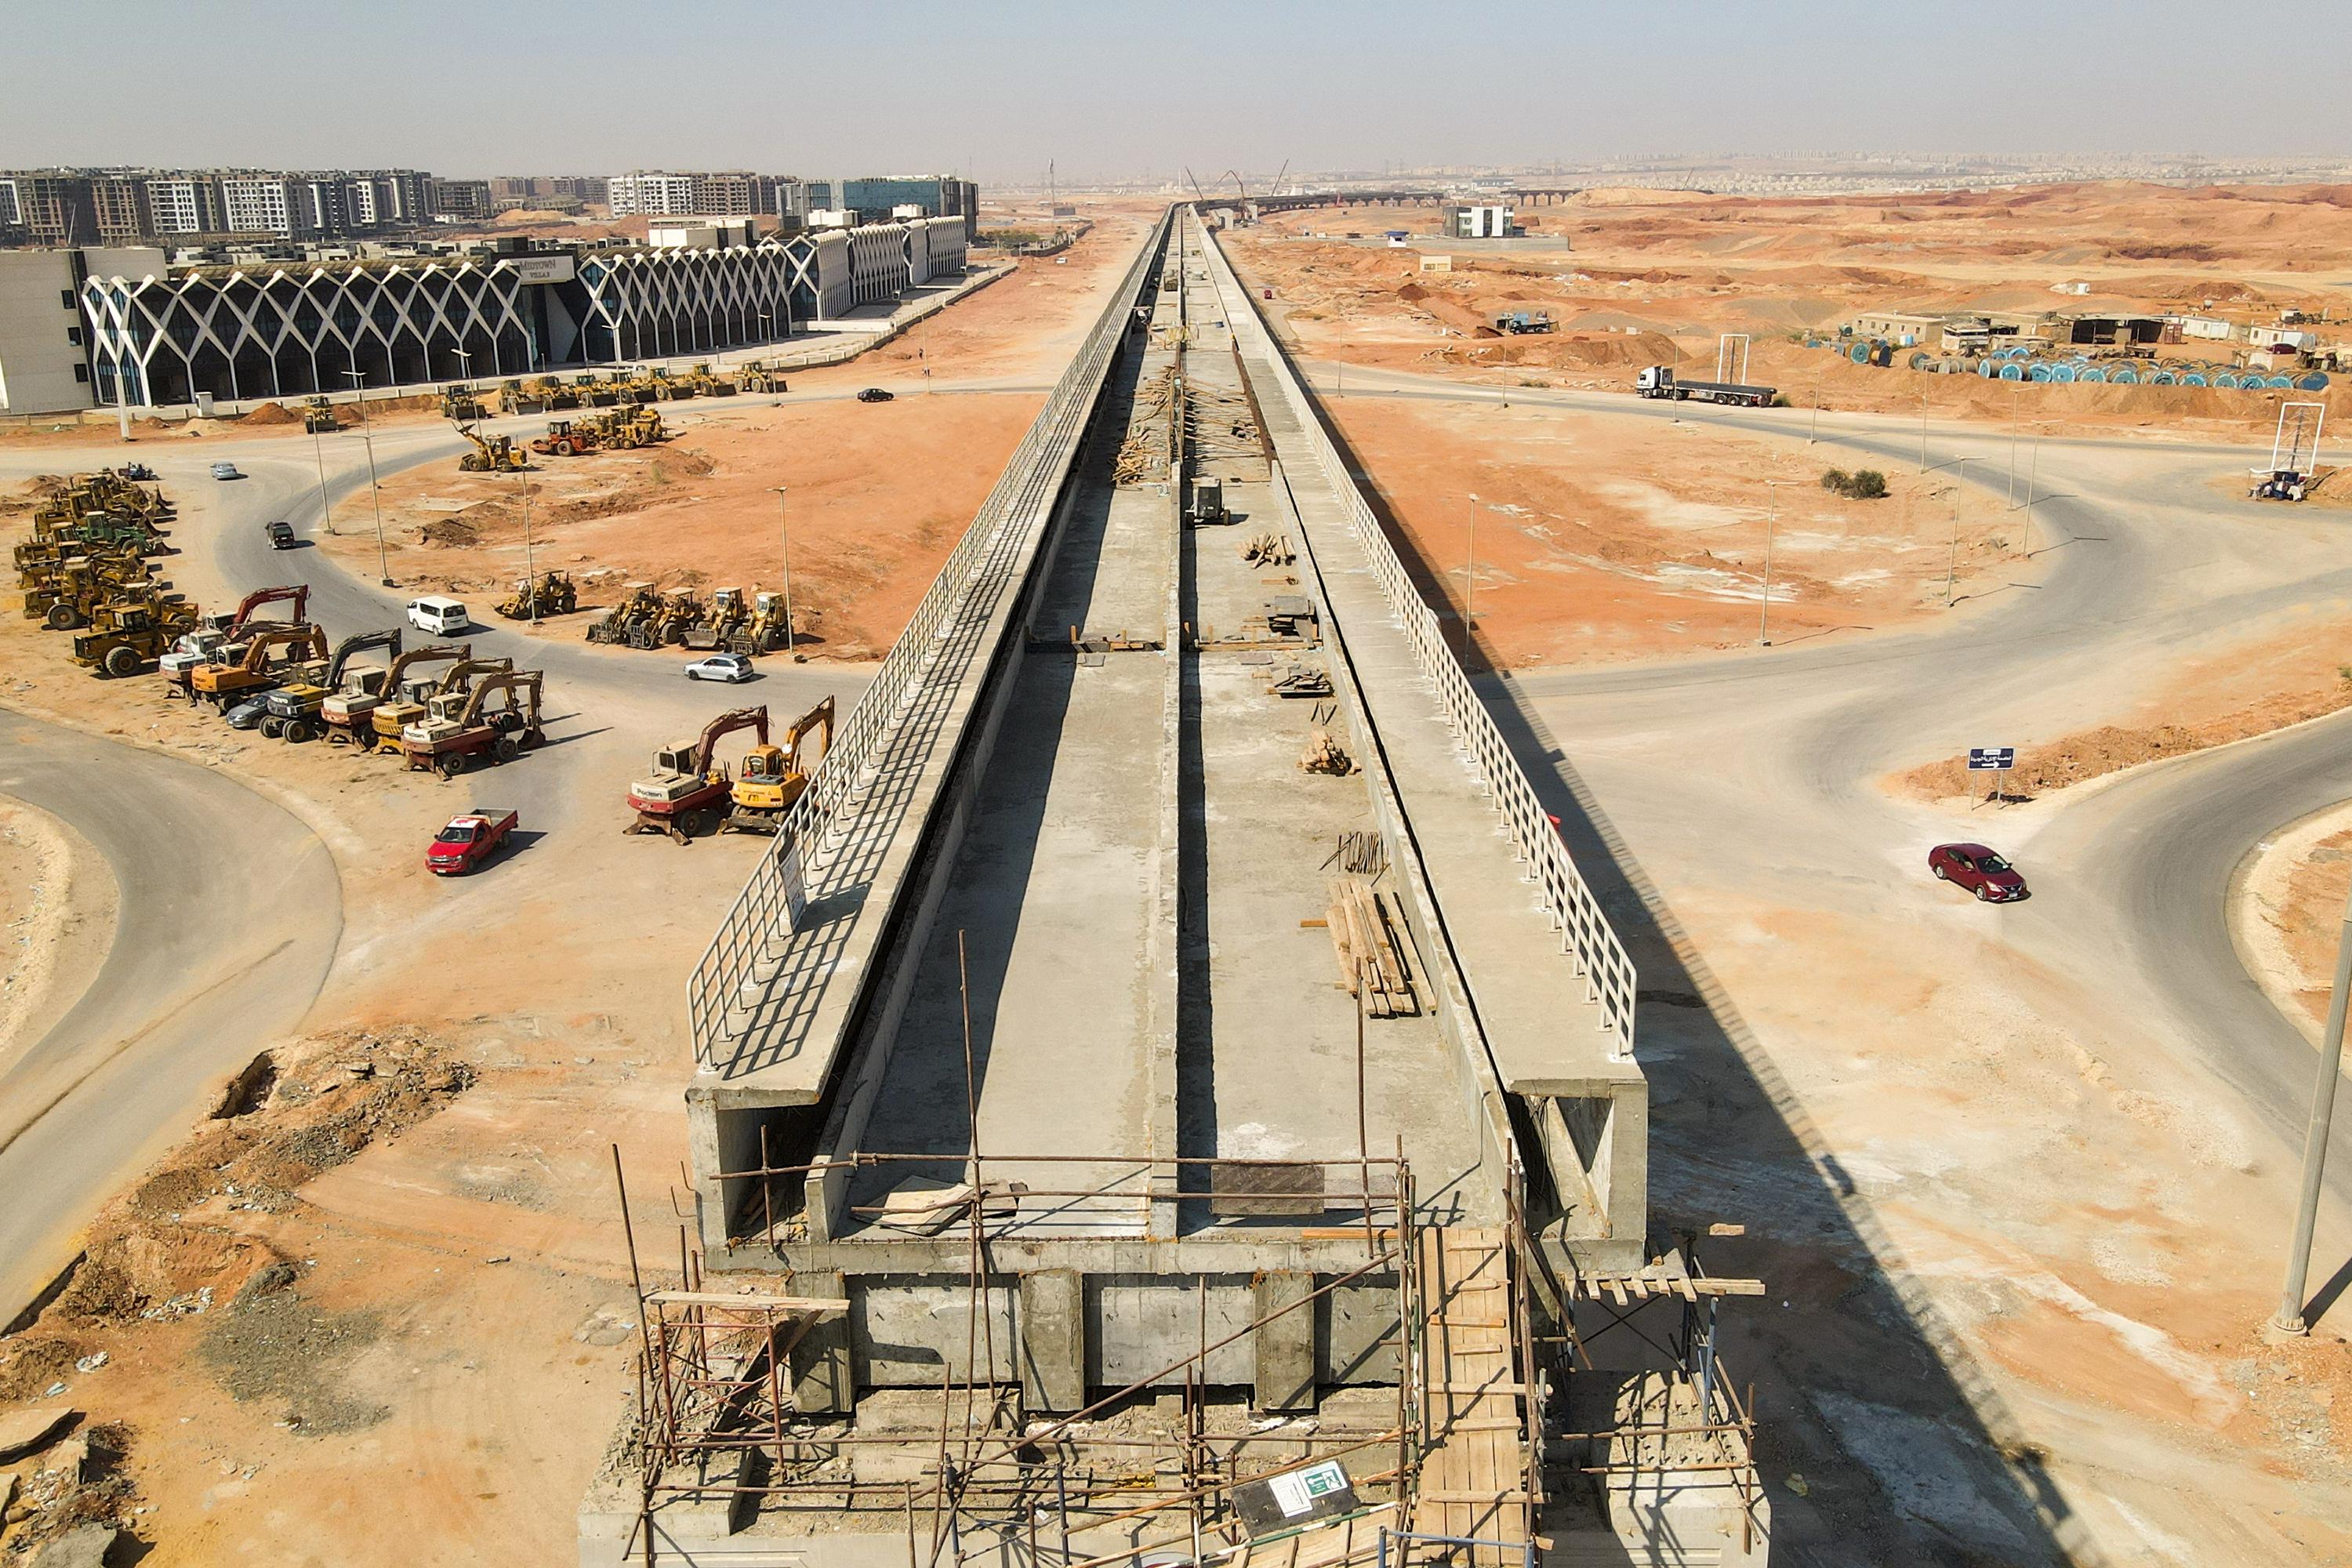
{"points": [[44, 363], [160, 335]]}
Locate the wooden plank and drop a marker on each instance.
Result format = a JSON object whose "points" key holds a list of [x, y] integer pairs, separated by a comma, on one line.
{"points": [[814, 1306]]}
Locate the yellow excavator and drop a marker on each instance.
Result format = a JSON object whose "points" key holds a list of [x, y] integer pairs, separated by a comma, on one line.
{"points": [[413, 705], [491, 454], [771, 778]]}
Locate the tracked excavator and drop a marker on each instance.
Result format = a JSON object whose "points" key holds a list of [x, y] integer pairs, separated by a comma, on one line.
{"points": [[498, 719], [295, 711], [397, 711], [771, 778], [347, 715], [686, 794]]}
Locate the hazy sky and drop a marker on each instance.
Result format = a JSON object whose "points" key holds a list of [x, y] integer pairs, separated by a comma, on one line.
{"points": [[996, 90]]}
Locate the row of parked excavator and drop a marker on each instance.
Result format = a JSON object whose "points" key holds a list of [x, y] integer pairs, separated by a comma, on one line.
{"points": [[553, 394], [436, 707], [86, 566], [648, 618], [692, 793]]}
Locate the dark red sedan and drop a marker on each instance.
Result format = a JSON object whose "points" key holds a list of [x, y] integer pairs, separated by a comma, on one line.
{"points": [[1991, 878]]}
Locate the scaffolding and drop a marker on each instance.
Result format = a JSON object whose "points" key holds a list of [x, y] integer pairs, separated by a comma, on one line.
{"points": [[1452, 1474]]}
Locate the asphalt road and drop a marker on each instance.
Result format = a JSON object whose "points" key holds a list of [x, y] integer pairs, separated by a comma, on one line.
{"points": [[229, 916], [231, 908], [1762, 770]]}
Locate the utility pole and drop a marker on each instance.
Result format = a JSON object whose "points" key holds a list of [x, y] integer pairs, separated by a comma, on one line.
{"points": [[1952, 571], [2289, 1318], [1771, 526], [383, 571], [785, 548], [1923, 432]]}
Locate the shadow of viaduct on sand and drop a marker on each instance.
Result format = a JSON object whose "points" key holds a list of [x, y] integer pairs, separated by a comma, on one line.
{"points": [[1906, 1452]]}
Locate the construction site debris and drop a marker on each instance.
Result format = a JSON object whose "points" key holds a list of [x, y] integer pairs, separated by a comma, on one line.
{"points": [[1364, 926], [1301, 680], [1270, 549], [1325, 755]]}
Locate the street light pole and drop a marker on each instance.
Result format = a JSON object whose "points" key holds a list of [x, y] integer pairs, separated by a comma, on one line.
{"points": [[326, 514], [2289, 1318], [530, 566], [375, 490], [785, 548], [1470, 579], [2016, 413], [1952, 571], [1771, 526]]}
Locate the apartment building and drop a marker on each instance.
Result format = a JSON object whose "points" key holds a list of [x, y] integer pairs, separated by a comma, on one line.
{"points": [[260, 204], [654, 194]]}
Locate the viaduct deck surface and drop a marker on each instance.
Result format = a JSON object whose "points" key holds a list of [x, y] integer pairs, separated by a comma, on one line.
{"points": [[1058, 889]]}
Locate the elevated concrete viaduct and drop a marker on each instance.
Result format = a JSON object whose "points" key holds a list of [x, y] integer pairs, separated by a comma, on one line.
{"points": [[1168, 1008]]}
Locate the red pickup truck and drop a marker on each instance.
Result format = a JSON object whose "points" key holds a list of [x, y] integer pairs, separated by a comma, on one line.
{"points": [[470, 838]]}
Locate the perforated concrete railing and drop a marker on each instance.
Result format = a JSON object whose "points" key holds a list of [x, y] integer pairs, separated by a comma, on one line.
{"points": [[1585, 930], [967, 586]]}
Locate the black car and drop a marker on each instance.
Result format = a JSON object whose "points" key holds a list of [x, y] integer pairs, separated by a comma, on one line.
{"points": [[874, 395], [281, 535], [250, 713]]}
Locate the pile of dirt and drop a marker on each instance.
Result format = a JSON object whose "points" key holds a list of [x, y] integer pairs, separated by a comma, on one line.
{"points": [[618, 503], [682, 463], [450, 533], [31, 1364], [272, 413], [2110, 748], [153, 1254]]}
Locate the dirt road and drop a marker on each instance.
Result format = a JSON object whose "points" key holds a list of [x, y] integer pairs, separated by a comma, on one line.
{"points": [[2049, 1146], [230, 913]]}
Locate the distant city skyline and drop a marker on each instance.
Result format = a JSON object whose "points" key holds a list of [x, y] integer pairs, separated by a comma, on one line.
{"points": [[996, 93]]}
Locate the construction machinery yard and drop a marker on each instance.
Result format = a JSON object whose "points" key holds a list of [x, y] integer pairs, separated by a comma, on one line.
{"points": [[1213, 1058]]}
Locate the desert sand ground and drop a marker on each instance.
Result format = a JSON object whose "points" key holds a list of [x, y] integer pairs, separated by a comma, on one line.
{"points": [[428, 1224], [1655, 277], [477, 1188]]}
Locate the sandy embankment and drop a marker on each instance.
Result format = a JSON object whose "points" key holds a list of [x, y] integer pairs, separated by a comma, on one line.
{"points": [[56, 922]]}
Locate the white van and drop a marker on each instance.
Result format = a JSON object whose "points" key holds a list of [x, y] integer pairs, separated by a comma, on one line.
{"points": [[439, 613]]}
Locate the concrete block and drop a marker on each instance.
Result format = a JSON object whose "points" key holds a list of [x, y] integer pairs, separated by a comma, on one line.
{"points": [[1283, 1347], [823, 1379], [1052, 1324], [83, 1548], [24, 1432]]}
